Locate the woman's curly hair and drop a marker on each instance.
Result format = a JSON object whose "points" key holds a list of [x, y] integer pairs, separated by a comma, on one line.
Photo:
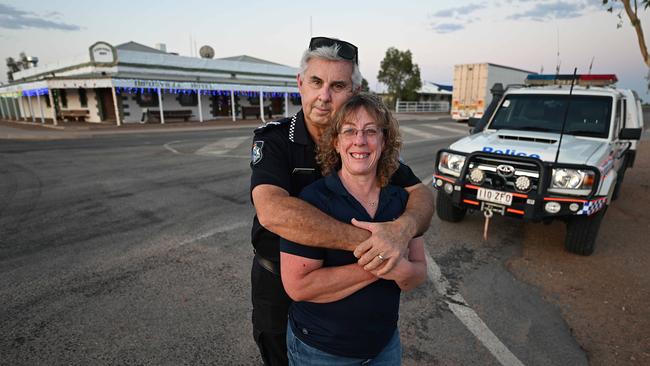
{"points": [[330, 160]]}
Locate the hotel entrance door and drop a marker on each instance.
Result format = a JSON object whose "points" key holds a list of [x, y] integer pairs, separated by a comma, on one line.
{"points": [[105, 104]]}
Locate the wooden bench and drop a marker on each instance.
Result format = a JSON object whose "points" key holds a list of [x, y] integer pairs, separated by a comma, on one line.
{"points": [[255, 111], [76, 114], [152, 114]]}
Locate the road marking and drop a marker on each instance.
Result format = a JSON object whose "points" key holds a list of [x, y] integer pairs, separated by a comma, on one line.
{"points": [[411, 117], [247, 157], [215, 231], [221, 146], [468, 317], [457, 130], [418, 133], [427, 182], [443, 138], [168, 146]]}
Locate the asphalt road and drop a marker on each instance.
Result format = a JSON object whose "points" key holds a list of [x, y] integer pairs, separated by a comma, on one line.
{"points": [[135, 249]]}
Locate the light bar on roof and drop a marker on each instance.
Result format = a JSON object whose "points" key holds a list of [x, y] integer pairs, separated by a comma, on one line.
{"points": [[565, 79]]}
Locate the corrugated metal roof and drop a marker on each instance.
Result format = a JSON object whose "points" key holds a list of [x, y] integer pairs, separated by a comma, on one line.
{"points": [[134, 55], [134, 46], [434, 88], [183, 62], [246, 58]]}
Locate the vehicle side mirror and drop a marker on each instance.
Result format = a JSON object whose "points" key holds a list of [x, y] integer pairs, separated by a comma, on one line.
{"points": [[472, 122], [630, 134]]}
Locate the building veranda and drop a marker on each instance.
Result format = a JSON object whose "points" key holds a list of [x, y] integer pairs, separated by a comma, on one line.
{"points": [[134, 83]]}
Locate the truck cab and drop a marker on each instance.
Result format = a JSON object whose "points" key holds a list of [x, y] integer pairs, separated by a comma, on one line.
{"points": [[557, 148]]}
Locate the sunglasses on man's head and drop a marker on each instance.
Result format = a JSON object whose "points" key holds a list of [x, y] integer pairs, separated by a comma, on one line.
{"points": [[346, 51]]}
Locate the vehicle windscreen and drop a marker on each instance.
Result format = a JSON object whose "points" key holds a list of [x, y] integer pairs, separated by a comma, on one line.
{"points": [[587, 116]]}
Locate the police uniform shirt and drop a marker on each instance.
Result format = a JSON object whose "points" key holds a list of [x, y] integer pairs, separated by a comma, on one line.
{"points": [[284, 155]]}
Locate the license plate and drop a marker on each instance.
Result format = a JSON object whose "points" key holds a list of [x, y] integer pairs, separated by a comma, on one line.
{"points": [[490, 195]]}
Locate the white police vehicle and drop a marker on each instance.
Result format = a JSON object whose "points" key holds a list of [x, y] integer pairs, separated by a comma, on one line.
{"points": [[557, 148]]}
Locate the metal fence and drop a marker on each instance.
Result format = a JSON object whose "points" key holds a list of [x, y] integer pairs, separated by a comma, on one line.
{"points": [[415, 107]]}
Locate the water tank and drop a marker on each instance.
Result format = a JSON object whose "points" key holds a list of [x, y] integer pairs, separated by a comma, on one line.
{"points": [[206, 52], [161, 47], [32, 60]]}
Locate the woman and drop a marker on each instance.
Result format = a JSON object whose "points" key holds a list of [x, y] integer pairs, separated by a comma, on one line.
{"points": [[342, 314]]}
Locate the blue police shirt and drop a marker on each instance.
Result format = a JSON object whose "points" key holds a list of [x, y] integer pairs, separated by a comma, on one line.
{"points": [[361, 324]]}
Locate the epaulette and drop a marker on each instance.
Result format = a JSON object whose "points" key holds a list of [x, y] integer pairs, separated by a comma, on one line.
{"points": [[272, 124]]}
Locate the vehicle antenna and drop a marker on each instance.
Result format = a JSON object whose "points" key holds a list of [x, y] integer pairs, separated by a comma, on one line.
{"points": [[558, 62], [591, 64], [566, 113]]}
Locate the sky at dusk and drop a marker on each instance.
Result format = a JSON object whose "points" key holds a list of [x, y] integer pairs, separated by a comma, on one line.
{"points": [[525, 34]]}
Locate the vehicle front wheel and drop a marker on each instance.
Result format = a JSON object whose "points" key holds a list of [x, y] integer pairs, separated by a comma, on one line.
{"points": [[581, 233], [446, 209]]}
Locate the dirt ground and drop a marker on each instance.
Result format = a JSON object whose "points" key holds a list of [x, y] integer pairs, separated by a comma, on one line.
{"points": [[604, 298]]}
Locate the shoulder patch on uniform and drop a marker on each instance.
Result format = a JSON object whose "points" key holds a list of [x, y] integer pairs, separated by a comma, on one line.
{"points": [[256, 153]]}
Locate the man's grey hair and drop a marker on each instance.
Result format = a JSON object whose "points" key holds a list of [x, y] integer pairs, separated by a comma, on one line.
{"points": [[330, 53]]}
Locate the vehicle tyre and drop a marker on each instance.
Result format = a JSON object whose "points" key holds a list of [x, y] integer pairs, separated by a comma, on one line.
{"points": [[581, 233], [446, 209]]}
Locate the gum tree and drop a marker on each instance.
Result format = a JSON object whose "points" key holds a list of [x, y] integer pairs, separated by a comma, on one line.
{"points": [[400, 74], [631, 9]]}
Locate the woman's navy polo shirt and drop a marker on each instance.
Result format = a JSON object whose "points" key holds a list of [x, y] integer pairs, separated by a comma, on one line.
{"points": [[361, 324]]}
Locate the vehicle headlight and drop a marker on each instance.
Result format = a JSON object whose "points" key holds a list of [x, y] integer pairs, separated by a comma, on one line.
{"points": [[573, 179], [451, 163]]}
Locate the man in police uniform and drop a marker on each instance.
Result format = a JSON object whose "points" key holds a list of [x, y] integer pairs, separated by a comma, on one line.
{"points": [[283, 163]]}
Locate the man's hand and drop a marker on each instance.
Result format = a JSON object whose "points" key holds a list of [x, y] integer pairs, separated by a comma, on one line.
{"points": [[389, 239], [394, 274]]}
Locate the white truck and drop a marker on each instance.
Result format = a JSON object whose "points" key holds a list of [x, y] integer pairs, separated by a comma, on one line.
{"points": [[471, 87], [555, 149]]}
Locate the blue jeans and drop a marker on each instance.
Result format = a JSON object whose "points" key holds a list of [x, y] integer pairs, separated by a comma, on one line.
{"points": [[302, 354]]}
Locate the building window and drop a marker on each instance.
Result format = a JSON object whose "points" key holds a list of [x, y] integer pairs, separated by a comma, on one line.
{"points": [[47, 100], [188, 100], [83, 98], [64, 98], [147, 99]]}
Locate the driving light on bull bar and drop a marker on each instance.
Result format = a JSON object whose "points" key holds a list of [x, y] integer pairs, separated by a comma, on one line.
{"points": [[552, 207], [477, 176], [449, 188], [451, 163], [523, 184], [574, 207]]}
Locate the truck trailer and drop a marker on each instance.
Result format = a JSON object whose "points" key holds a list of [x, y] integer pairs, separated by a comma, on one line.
{"points": [[472, 83]]}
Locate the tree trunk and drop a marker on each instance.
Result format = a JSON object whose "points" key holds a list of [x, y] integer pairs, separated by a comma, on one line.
{"points": [[636, 23]]}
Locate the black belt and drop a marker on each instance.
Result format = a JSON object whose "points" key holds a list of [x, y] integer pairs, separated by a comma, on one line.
{"points": [[268, 265]]}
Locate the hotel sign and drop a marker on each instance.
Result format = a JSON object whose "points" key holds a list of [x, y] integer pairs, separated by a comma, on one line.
{"points": [[171, 84], [192, 85], [102, 52]]}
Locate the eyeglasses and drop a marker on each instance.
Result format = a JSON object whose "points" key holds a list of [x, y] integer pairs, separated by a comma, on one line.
{"points": [[346, 50], [351, 132]]}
